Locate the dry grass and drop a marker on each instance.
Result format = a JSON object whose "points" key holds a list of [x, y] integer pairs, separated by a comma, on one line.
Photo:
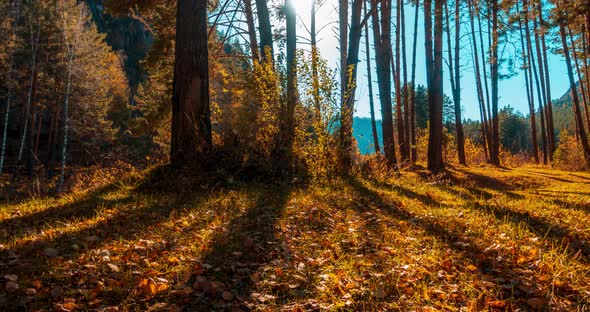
{"points": [[470, 239]]}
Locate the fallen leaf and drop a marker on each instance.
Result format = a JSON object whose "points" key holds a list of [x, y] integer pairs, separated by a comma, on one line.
{"points": [[537, 303], [227, 296]]}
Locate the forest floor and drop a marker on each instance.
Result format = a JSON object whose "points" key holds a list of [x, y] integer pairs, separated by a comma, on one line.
{"points": [[470, 239]]}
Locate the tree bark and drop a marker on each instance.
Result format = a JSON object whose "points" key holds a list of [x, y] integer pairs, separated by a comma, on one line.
{"points": [[343, 28], [480, 95], [382, 40], [398, 90], [352, 60], [370, 83], [265, 28], [530, 96], [549, 107], [251, 30], [494, 77], [542, 96], [435, 92], [405, 90], [576, 101], [414, 149], [191, 123]]}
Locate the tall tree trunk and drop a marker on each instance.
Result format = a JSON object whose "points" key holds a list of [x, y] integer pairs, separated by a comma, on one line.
{"points": [[383, 59], [529, 91], [576, 101], [549, 107], [398, 90], [347, 110], [66, 121], [265, 28], [287, 128], [543, 95], [370, 83], [191, 123], [414, 150], [251, 30], [478, 83], [435, 92], [454, 73], [494, 76], [343, 28], [580, 81], [34, 46], [405, 90], [314, 63]]}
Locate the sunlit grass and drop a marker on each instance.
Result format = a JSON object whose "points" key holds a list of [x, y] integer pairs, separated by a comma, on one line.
{"points": [[470, 239]]}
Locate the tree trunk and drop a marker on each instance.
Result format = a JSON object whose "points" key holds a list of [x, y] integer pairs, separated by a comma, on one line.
{"points": [[314, 63], [549, 103], [66, 121], [413, 94], [383, 59], [191, 123], [494, 76], [265, 29], [352, 61], [454, 73], [34, 46], [435, 90], [251, 30], [480, 95], [287, 123], [580, 81], [576, 101], [530, 96], [542, 96], [343, 28], [398, 93], [370, 83], [405, 90]]}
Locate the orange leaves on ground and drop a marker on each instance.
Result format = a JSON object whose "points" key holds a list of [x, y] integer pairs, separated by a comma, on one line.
{"points": [[149, 287]]}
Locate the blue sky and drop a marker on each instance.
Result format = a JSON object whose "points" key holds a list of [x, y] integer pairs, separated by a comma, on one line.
{"points": [[511, 91]]}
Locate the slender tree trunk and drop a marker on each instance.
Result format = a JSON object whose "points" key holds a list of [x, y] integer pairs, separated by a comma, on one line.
{"points": [[343, 28], [34, 46], [576, 101], [480, 96], [401, 136], [383, 59], [288, 112], [525, 54], [314, 63], [352, 61], [494, 76], [405, 90], [580, 81], [370, 83], [538, 83], [191, 123], [435, 92], [265, 28], [413, 90], [549, 104], [454, 73], [66, 120], [251, 30]]}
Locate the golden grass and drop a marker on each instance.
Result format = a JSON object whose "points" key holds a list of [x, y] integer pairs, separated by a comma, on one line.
{"points": [[470, 239]]}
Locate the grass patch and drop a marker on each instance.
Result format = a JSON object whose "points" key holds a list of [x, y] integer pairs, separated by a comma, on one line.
{"points": [[469, 239]]}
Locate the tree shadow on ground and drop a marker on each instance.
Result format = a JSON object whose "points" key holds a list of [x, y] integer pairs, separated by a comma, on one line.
{"points": [[506, 277], [123, 222], [249, 242], [551, 176]]}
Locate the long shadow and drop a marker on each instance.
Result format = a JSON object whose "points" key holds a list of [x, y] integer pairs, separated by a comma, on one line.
{"points": [[130, 222], [453, 236], [569, 205], [249, 242], [82, 209], [558, 235], [552, 177]]}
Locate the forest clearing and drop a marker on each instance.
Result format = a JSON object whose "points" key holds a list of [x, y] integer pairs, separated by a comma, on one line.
{"points": [[294, 155], [478, 238]]}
